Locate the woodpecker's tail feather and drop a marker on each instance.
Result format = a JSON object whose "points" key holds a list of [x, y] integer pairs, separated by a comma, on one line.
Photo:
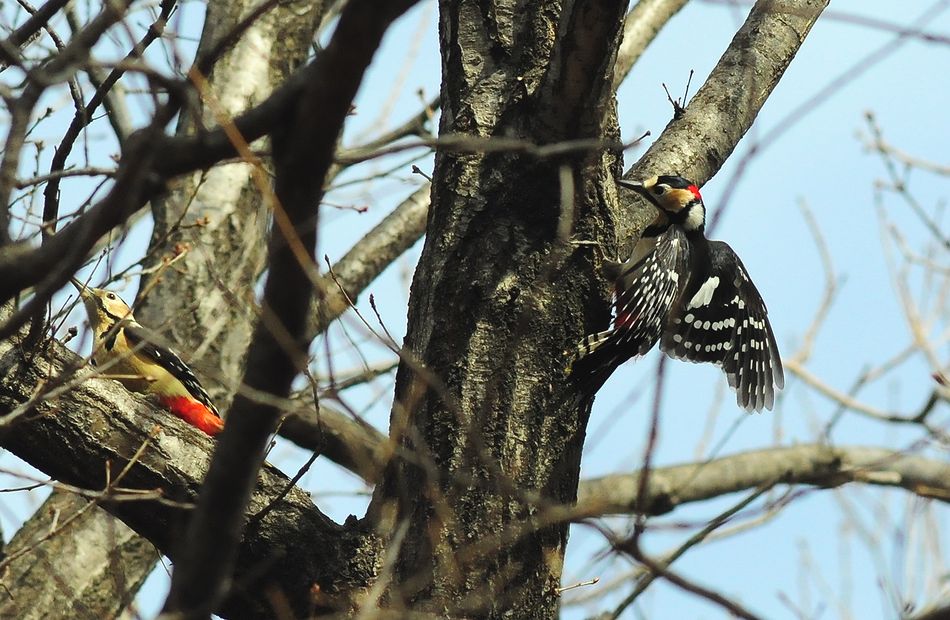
{"points": [[592, 342], [595, 359]]}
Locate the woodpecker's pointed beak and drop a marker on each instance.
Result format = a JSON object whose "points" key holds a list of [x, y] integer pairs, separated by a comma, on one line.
{"points": [[636, 186], [83, 291], [641, 189]]}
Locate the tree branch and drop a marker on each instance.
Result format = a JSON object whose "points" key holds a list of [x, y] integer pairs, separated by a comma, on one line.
{"points": [[640, 27], [34, 23], [303, 153], [697, 144], [369, 257], [80, 434], [357, 447], [364, 452], [818, 465], [92, 575]]}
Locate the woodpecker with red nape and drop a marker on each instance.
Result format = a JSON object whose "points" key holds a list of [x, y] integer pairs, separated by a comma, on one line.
{"points": [[122, 347], [692, 295]]}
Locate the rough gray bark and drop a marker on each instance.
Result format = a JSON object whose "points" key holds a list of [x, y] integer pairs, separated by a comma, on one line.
{"points": [[488, 421], [91, 567], [77, 434]]}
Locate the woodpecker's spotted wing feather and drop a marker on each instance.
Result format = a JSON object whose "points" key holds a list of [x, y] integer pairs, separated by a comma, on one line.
{"points": [[164, 357], [723, 320], [645, 290], [714, 314]]}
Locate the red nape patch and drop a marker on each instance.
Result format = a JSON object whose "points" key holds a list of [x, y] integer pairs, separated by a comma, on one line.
{"points": [[194, 413], [695, 191]]}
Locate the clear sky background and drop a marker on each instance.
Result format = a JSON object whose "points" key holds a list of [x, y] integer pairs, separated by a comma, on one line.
{"points": [[829, 551]]}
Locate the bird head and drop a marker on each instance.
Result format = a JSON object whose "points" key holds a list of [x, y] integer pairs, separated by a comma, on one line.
{"points": [[104, 308], [676, 198]]}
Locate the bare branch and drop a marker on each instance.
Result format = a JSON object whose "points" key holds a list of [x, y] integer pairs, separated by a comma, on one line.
{"points": [[82, 433], [819, 465], [726, 106], [303, 153], [29, 28]]}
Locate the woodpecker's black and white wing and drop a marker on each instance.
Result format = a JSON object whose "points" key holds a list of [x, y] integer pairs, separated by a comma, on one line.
{"points": [[646, 287], [165, 359], [722, 320]]}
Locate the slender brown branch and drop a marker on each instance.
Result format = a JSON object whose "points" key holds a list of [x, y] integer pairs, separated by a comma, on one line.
{"points": [[303, 153]]}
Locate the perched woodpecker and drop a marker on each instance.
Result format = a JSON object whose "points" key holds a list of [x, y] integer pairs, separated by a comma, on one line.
{"points": [[122, 347], [692, 295]]}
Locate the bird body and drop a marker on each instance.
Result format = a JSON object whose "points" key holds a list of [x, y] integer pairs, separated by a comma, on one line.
{"points": [[692, 295], [123, 348]]}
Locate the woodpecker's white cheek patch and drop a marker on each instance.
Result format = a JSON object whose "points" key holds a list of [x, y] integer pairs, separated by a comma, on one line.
{"points": [[705, 293], [695, 217]]}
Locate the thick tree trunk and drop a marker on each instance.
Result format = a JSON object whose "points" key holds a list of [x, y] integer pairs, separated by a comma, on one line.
{"points": [[492, 434], [73, 560]]}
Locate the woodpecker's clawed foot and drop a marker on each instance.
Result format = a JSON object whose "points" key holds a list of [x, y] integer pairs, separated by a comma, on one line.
{"points": [[612, 268]]}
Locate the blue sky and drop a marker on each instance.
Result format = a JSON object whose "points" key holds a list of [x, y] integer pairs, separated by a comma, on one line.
{"points": [[820, 161]]}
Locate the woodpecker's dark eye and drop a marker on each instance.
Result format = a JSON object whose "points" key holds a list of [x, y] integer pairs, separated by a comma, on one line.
{"points": [[658, 189], [110, 295]]}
